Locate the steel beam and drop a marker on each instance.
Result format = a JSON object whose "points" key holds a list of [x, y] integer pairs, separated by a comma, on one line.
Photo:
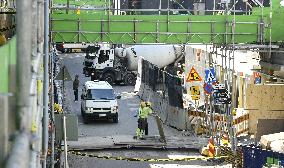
{"points": [[142, 29]]}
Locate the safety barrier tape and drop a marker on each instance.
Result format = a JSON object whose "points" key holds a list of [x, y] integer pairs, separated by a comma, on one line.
{"points": [[144, 159], [242, 131], [241, 119], [220, 118]]}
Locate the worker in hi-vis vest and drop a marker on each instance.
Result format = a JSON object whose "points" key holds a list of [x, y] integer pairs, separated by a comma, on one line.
{"points": [[143, 113]]}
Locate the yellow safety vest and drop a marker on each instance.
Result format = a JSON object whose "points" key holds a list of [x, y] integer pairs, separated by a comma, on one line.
{"points": [[144, 112]]}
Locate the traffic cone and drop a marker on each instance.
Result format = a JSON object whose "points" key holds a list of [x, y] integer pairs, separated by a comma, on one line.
{"points": [[225, 140], [211, 150]]}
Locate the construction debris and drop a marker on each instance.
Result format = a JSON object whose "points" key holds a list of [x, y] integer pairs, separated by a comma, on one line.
{"points": [[274, 142]]}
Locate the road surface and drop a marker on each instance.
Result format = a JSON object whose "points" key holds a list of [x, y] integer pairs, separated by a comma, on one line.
{"points": [[127, 125]]}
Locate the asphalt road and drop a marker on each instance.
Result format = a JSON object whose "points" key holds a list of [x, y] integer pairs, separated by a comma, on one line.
{"points": [[127, 125], [128, 106]]}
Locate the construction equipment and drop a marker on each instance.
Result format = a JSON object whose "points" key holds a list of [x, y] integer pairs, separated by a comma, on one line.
{"points": [[116, 65]]}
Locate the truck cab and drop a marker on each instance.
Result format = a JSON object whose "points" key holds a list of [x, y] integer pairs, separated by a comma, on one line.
{"points": [[99, 101], [101, 63]]}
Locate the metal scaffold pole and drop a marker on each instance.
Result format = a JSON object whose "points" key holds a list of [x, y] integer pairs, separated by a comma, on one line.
{"points": [[46, 83], [20, 152], [270, 36], [52, 138], [234, 97]]}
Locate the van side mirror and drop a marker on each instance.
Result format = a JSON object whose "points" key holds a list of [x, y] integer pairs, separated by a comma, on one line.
{"points": [[118, 97], [82, 96]]}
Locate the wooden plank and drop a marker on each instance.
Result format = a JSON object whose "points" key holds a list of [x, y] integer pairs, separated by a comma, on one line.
{"points": [[255, 115], [265, 97], [253, 120], [161, 129]]}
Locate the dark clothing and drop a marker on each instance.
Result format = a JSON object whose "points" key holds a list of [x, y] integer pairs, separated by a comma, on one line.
{"points": [[76, 84], [142, 123], [146, 129], [76, 94], [75, 88]]}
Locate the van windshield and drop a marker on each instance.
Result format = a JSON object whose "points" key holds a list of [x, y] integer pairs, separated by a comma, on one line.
{"points": [[103, 94]]}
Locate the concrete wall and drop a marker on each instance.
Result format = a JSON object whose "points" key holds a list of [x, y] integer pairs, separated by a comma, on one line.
{"points": [[173, 116]]}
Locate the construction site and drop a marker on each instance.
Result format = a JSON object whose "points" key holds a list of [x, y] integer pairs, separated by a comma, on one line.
{"points": [[141, 83]]}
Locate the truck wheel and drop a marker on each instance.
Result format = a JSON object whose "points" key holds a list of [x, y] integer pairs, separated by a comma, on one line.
{"points": [[109, 77], [115, 119], [129, 79]]}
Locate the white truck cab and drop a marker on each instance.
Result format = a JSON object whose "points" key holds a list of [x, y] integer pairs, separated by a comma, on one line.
{"points": [[99, 101]]}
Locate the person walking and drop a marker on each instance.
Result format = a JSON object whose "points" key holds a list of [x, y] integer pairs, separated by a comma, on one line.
{"points": [[75, 87], [144, 111]]}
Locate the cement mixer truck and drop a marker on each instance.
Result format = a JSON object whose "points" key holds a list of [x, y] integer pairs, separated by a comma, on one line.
{"points": [[119, 65]]}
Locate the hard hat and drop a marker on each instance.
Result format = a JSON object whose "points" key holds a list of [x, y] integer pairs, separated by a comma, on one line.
{"points": [[143, 104], [149, 104]]}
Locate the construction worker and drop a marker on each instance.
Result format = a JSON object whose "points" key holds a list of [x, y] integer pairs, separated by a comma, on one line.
{"points": [[144, 112], [75, 87], [139, 132], [149, 111]]}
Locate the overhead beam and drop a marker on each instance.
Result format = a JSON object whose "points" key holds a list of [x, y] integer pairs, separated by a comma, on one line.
{"points": [[177, 29]]}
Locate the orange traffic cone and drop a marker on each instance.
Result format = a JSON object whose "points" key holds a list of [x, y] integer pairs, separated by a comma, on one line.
{"points": [[211, 151]]}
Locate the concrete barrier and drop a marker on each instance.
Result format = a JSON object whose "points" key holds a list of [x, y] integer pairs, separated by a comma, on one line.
{"points": [[172, 116]]}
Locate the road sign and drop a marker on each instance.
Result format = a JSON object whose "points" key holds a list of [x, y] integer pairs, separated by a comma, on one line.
{"points": [[210, 76], [193, 76], [257, 78], [221, 94], [207, 88], [195, 92], [256, 74]]}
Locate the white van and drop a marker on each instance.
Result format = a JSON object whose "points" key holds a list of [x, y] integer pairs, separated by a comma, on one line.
{"points": [[99, 101]]}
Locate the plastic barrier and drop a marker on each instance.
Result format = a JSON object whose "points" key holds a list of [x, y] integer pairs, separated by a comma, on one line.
{"points": [[256, 157]]}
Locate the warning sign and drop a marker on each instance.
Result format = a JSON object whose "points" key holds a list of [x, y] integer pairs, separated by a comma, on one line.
{"points": [[195, 92], [257, 78], [210, 76], [193, 76]]}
